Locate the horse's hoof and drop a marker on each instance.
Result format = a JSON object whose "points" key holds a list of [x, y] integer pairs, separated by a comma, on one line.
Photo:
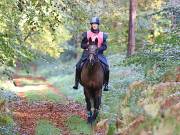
{"points": [[105, 89], [95, 115], [94, 118], [89, 120]]}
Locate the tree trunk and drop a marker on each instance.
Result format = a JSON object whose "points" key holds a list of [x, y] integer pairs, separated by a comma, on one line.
{"points": [[131, 35]]}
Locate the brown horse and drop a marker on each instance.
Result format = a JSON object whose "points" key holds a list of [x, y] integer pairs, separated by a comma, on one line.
{"points": [[92, 79]]}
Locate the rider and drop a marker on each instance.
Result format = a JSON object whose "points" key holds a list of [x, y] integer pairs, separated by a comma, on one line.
{"points": [[102, 45]]}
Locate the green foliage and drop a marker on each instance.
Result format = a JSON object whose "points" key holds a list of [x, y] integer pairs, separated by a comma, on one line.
{"points": [[32, 28], [5, 120], [159, 57], [45, 127], [159, 125], [132, 103], [116, 25], [112, 129], [7, 125], [146, 5], [152, 24], [11, 46]]}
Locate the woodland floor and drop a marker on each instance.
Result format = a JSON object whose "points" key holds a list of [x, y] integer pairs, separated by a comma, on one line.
{"points": [[46, 94]]}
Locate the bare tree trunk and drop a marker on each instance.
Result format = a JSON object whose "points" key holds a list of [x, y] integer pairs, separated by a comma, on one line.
{"points": [[131, 35]]}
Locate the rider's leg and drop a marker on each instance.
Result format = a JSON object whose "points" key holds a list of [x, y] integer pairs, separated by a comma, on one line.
{"points": [[106, 78], [77, 75], [78, 69]]}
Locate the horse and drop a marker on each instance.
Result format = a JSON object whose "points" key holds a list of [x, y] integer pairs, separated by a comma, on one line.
{"points": [[92, 79]]}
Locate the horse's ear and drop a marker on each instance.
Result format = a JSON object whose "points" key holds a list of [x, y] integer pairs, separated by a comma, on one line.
{"points": [[96, 41], [90, 40]]}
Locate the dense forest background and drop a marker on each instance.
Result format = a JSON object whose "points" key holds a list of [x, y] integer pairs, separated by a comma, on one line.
{"points": [[42, 38], [33, 28]]}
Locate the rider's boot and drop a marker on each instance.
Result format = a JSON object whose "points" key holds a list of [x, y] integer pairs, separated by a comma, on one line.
{"points": [[106, 88], [76, 80]]}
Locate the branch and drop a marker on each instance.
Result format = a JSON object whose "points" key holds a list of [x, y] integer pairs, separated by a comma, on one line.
{"points": [[30, 33]]}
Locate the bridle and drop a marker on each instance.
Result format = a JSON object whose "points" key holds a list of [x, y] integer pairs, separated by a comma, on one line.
{"points": [[92, 54]]}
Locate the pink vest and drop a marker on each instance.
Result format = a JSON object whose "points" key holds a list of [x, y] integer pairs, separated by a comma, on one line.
{"points": [[96, 35]]}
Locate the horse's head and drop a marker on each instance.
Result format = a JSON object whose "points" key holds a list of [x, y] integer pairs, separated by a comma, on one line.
{"points": [[92, 51]]}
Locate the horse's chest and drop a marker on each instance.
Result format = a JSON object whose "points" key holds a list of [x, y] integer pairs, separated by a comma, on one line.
{"points": [[94, 79]]}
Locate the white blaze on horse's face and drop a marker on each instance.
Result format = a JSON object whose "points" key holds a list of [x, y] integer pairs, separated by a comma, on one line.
{"points": [[94, 38], [91, 57], [92, 52]]}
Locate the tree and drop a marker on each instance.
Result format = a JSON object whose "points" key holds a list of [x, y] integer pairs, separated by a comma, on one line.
{"points": [[131, 35], [31, 28]]}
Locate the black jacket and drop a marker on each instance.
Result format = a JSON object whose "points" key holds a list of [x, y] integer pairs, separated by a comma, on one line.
{"points": [[84, 42]]}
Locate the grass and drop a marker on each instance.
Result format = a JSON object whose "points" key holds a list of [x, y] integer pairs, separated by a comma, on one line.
{"points": [[45, 95], [45, 127], [78, 126], [7, 125]]}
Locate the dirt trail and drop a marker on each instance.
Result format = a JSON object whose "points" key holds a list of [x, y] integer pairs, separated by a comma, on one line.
{"points": [[26, 115]]}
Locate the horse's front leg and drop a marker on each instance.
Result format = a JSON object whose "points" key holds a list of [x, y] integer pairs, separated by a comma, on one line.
{"points": [[97, 103], [88, 107]]}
